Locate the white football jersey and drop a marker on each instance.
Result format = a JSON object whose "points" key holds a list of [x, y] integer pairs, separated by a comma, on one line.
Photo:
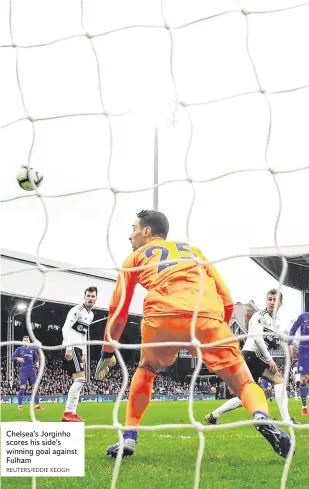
{"points": [[76, 326], [296, 374], [262, 322]]}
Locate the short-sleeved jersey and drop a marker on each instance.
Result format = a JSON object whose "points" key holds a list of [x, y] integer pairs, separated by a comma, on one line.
{"points": [[29, 354], [173, 288], [76, 326], [301, 323]]}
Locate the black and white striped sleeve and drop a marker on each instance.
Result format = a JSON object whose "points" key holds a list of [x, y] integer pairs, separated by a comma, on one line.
{"points": [[67, 331], [84, 347]]}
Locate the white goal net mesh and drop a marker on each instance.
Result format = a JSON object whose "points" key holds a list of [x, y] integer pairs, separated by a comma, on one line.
{"points": [[181, 105]]}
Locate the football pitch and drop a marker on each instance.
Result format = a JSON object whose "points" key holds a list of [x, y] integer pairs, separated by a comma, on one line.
{"points": [[237, 458]]}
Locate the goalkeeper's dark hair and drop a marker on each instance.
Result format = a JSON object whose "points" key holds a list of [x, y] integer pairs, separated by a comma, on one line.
{"points": [[275, 292], [91, 289], [26, 336], [156, 220]]}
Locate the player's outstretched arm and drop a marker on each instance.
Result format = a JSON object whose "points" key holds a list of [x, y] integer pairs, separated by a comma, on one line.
{"points": [[123, 293], [36, 359], [16, 357]]}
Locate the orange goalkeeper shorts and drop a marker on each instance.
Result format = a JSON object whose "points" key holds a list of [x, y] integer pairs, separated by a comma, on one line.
{"points": [[174, 328]]}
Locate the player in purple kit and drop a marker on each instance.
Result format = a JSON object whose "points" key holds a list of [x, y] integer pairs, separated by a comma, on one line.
{"points": [[265, 386], [303, 356], [27, 357]]}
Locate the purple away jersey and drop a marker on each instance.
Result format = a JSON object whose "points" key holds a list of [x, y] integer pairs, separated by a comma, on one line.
{"points": [[303, 350], [264, 384], [27, 371]]}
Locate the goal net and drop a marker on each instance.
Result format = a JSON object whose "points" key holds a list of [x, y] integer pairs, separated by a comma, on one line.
{"points": [[85, 88]]}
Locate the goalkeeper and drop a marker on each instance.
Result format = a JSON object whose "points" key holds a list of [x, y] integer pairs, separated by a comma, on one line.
{"points": [[173, 294]]}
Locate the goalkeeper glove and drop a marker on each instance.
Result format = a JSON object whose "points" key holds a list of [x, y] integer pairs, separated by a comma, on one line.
{"points": [[107, 360]]}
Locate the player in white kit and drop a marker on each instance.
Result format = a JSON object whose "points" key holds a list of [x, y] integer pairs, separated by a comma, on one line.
{"points": [[296, 377], [74, 330], [256, 352]]}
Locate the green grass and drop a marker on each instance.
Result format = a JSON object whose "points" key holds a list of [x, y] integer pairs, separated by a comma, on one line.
{"points": [[233, 458]]}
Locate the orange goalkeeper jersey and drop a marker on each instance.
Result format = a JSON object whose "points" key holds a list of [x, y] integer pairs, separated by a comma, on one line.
{"points": [[173, 288]]}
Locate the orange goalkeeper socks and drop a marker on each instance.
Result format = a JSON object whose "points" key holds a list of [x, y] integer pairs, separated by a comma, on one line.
{"points": [[139, 397], [253, 398]]}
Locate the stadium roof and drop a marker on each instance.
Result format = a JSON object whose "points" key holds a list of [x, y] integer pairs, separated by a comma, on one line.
{"points": [[21, 278], [27, 259], [298, 264]]}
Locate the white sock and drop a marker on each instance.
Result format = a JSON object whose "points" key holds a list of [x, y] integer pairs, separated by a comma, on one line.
{"points": [[282, 401], [229, 405], [73, 394]]}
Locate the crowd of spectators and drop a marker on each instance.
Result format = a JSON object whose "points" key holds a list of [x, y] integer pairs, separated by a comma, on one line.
{"points": [[55, 381]]}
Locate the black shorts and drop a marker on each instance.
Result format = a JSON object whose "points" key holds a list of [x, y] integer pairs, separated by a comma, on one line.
{"points": [[255, 365], [75, 365]]}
